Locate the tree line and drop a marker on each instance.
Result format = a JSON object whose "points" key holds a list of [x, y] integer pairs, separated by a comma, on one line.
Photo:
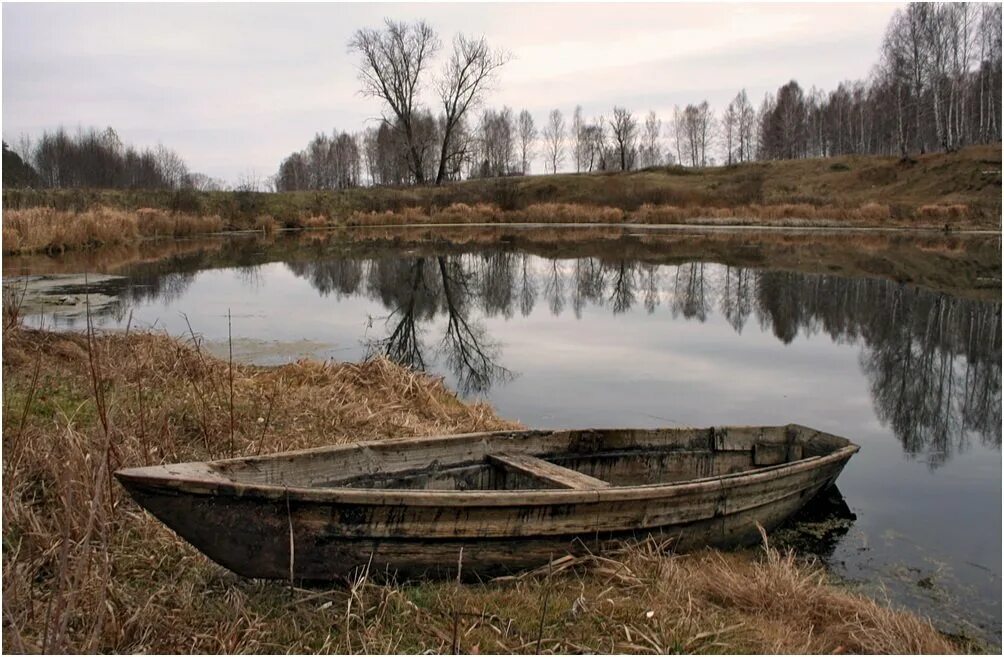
{"points": [[98, 158], [936, 86]]}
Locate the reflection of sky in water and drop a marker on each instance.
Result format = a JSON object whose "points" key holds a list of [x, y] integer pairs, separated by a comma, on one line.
{"points": [[629, 357]]}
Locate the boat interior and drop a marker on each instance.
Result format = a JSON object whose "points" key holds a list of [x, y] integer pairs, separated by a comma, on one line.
{"points": [[534, 460]]}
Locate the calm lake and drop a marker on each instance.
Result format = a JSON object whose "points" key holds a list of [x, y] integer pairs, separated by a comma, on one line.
{"points": [[641, 328]]}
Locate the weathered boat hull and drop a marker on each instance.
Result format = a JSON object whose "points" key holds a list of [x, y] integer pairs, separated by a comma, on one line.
{"points": [[270, 531]]}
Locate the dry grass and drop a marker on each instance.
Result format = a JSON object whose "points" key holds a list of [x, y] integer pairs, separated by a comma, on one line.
{"points": [[266, 224], [54, 231], [316, 221], [952, 212], [84, 570], [779, 214]]}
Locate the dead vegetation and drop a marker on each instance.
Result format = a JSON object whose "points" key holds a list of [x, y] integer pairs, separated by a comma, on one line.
{"points": [[44, 230], [85, 570], [52, 231], [784, 215]]}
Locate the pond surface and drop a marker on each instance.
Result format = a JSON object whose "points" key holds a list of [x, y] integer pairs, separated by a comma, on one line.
{"points": [[607, 334]]}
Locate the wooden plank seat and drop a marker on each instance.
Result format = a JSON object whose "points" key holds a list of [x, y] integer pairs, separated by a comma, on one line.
{"points": [[547, 472]]}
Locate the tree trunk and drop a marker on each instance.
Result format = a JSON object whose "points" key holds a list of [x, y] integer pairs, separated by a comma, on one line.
{"points": [[447, 132]]}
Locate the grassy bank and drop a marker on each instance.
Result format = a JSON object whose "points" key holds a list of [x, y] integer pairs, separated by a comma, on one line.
{"points": [[957, 190], [86, 571]]}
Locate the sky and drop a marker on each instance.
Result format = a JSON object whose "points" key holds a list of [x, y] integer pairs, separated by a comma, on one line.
{"points": [[235, 88]]}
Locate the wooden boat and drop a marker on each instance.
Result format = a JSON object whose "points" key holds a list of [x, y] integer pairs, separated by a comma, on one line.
{"points": [[490, 503]]}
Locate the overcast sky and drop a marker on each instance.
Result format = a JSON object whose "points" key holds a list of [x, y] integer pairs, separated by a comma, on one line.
{"points": [[234, 88]]}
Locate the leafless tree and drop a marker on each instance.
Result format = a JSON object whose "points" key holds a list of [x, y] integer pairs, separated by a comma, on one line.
{"points": [[593, 144], [469, 72], [497, 143], [679, 133], [746, 129], [204, 183], [171, 165], [527, 134], [392, 62], [651, 150], [730, 130], [578, 140], [554, 139], [333, 162], [692, 130], [624, 128]]}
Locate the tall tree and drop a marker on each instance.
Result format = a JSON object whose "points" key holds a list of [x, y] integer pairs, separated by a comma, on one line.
{"points": [[624, 128], [651, 150], [392, 62], [578, 140], [469, 73], [527, 134], [554, 139]]}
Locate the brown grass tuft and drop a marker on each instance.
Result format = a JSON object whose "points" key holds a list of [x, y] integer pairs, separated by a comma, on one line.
{"points": [[266, 224], [570, 213], [943, 212], [316, 221]]}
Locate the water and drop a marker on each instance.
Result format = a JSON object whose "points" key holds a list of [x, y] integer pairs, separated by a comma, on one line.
{"points": [[606, 334]]}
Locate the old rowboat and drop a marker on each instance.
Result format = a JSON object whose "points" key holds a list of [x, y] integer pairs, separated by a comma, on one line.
{"points": [[492, 502]]}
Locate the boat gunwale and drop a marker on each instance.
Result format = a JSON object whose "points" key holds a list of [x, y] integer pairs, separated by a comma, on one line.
{"points": [[221, 485]]}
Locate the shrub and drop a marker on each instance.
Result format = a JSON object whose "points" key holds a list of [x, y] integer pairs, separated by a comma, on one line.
{"points": [[186, 200], [266, 224], [938, 212]]}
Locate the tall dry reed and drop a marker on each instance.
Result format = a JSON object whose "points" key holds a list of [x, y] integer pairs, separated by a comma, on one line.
{"points": [[55, 231]]}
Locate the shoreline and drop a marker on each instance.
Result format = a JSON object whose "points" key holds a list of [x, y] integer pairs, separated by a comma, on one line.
{"points": [[51, 232]]}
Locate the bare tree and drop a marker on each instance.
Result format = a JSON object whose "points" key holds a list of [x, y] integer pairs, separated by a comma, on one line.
{"points": [[578, 140], [469, 73], [171, 166], [624, 127], [393, 60], [679, 133], [730, 130], [651, 151], [554, 139], [693, 128], [497, 143], [527, 134], [593, 143]]}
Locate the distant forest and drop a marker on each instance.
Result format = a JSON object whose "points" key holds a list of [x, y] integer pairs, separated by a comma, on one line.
{"points": [[936, 87], [98, 159]]}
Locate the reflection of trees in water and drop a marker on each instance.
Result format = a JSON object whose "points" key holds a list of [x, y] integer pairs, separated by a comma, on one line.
{"points": [[417, 290], [735, 300], [933, 376], [933, 361], [339, 277], [689, 292]]}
